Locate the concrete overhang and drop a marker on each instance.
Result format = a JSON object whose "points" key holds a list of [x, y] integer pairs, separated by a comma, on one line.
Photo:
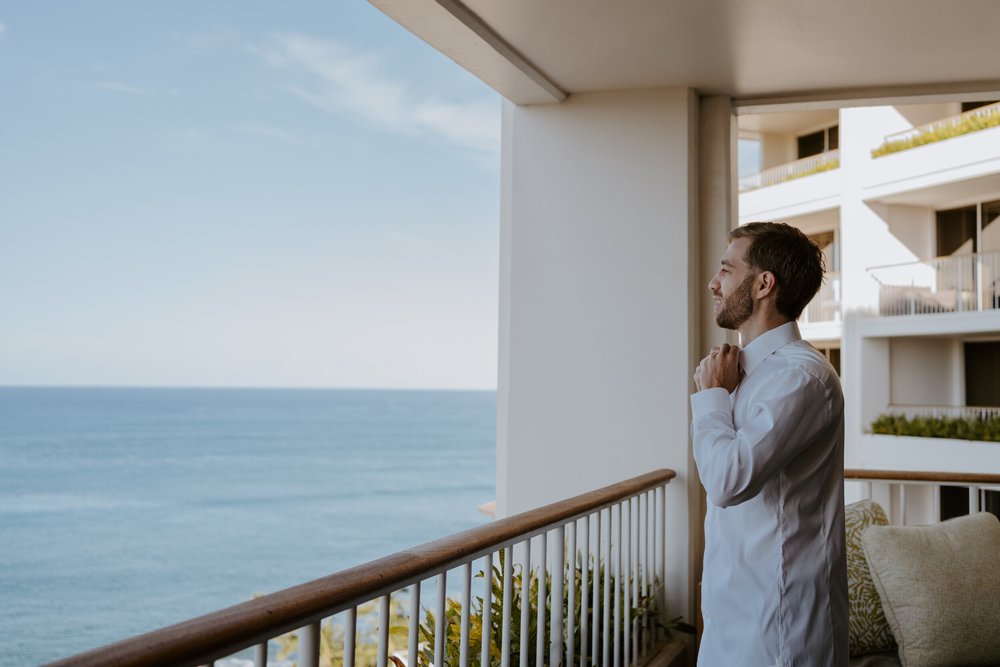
{"points": [[763, 53]]}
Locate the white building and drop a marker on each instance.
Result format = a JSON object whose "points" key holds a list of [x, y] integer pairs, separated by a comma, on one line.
{"points": [[910, 220]]}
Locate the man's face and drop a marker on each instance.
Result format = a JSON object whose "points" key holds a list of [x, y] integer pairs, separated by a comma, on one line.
{"points": [[732, 287]]}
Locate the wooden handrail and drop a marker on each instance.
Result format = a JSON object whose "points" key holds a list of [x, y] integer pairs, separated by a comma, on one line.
{"points": [[221, 633], [918, 476]]}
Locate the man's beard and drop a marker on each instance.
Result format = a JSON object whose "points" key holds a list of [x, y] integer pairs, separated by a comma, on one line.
{"points": [[737, 307]]}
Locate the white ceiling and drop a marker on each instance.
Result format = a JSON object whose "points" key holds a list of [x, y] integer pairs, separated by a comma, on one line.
{"points": [[741, 48]]}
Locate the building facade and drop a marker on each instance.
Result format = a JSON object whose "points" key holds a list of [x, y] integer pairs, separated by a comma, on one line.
{"points": [[905, 201]]}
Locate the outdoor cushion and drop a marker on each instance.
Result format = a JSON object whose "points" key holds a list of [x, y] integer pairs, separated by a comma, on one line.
{"points": [[868, 630], [939, 589]]}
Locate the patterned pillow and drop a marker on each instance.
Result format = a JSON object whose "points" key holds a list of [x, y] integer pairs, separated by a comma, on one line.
{"points": [[868, 629]]}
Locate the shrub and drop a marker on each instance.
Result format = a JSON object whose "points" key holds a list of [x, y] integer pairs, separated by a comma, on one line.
{"points": [[981, 428], [931, 135]]}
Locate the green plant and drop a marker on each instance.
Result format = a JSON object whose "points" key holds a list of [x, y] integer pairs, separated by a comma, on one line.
{"points": [[644, 611], [971, 123], [331, 637], [982, 428]]}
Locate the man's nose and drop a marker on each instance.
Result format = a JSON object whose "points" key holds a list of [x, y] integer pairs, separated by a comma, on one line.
{"points": [[714, 284]]}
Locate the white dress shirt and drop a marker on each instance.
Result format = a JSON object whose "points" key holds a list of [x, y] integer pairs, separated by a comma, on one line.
{"points": [[771, 458]]}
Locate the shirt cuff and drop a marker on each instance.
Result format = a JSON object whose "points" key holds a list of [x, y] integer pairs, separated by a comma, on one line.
{"points": [[706, 401]]}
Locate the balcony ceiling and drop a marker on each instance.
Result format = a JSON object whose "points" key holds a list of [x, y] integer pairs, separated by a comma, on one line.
{"points": [[532, 51]]}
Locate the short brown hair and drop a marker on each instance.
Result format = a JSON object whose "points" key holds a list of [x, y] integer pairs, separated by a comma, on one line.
{"points": [[794, 259]]}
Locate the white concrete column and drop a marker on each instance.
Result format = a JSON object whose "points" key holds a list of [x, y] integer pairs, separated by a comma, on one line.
{"points": [[598, 271], [718, 213]]}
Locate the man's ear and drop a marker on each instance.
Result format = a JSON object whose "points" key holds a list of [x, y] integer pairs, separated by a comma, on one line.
{"points": [[767, 285]]}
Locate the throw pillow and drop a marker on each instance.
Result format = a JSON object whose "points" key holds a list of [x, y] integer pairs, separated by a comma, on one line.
{"points": [[868, 630], [939, 589]]}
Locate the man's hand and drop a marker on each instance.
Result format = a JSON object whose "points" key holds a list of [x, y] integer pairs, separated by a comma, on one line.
{"points": [[721, 368]]}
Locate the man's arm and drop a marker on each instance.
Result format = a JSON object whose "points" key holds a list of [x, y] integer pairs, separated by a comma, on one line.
{"points": [[784, 416]]}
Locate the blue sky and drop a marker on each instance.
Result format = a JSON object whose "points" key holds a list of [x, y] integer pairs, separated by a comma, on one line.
{"points": [[242, 193]]}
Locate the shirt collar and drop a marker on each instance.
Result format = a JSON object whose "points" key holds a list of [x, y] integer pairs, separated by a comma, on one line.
{"points": [[767, 344]]}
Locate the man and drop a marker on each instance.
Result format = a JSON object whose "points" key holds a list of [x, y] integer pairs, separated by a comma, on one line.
{"points": [[769, 445]]}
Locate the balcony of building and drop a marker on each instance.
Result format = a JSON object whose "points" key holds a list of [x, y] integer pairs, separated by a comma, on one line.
{"points": [[789, 163], [980, 116], [934, 160], [928, 401], [952, 284]]}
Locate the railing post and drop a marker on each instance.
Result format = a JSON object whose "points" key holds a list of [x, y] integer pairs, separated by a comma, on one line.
{"points": [[508, 585], [616, 522], [260, 655], [350, 635], [382, 657], [543, 565], [413, 638], [626, 570], [463, 647], [606, 609], [661, 549], [441, 625], [571, 595], [556, 632], [584, 590], [525, 644], [487, 610], [309, 646]]}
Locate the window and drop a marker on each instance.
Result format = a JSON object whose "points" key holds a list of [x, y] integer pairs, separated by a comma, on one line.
{"points": [[969, 106], [956, 231], [832, 355], [982, 373], [749, 153], [821, 141]]}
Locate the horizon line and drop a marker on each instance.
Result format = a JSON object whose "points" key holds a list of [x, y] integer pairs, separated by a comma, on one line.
{"points": [[237, 387]]}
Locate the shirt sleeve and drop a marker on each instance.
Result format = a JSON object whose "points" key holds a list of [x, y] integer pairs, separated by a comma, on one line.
{"points": [[784, 416]]}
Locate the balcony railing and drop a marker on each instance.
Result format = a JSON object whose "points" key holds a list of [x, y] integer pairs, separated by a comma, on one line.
{"points": [[971, 121], [898, 481], [611, 540], [960, 283], [786, 172], [950, 411], [825, 306]]}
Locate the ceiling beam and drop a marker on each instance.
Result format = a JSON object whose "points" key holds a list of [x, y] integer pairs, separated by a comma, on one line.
{"points": [[970, 91], [456, 31]]}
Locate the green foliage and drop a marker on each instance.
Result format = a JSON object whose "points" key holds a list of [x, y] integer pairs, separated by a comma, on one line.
{"points": [[823, 166], [983, 428], [644, 611], [971, 123], [332, 635]]}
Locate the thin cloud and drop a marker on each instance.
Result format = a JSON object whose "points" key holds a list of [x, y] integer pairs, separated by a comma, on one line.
{"points": [[3, 28], [341, 79], [119, 87]]}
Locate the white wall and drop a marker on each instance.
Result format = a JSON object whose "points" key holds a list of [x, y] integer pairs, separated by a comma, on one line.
{"points": [[595, 338], [915, 227], [867, 239], [926, 371], [777, 149], [921, 114]]}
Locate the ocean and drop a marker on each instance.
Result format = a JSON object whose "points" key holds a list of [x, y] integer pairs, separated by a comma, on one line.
{"points": [[125, 510]]}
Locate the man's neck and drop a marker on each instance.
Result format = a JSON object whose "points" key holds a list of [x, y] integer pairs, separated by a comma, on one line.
{"points": [[759, 324]]}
